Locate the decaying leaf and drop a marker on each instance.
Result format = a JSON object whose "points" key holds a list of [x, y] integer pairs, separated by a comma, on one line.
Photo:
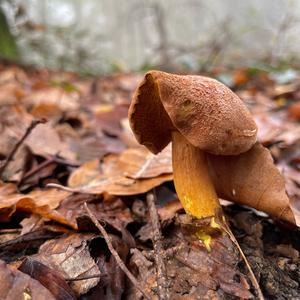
{"points": [[70, 256], [49, 278], [17, 285], [252, 179], [113, 285], [140, 163], [40, 202], [135, 171], [193, 272], [44, 141], [113, 211]]}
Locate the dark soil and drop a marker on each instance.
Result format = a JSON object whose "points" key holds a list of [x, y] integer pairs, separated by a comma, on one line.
{"points": [[272, 251]]}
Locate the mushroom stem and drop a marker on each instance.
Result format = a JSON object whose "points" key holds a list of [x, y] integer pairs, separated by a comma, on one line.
{"points": [[192, 180]]}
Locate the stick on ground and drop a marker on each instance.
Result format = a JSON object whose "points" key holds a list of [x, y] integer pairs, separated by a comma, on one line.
{"points": [[115, 253], [159, 253], [11, 155]]}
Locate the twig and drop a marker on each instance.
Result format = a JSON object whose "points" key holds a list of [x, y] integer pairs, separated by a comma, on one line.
{"points": [[159, 255], [49, 161], [65, 188], [8, 231], [33, 124], [115, 253], [226, 228], [83, 277]]}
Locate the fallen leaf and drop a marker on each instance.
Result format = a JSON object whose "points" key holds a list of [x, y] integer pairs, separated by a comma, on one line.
{"points": [[95, 147], [41, 202], [114, 175], [17, 285], [140, 163], [169, 210], [49, 278], [114, 211], [193, 272], [114, 285], [27, 243], [71, 257], [45, 141]]}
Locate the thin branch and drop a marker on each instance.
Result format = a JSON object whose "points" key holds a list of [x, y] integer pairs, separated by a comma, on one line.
{"points": [[83, 277], [226, 228], [65, 188], [33, 124], [159, 253], [49, 161], [115, 253]]}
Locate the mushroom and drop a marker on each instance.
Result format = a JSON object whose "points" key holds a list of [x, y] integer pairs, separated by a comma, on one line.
{"points": [[201, 117]]}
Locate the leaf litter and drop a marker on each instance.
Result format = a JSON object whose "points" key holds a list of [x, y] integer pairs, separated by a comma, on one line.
{"points": [[51, 246]]}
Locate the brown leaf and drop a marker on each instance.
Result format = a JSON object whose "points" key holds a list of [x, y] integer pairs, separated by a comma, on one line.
{"points": [[194, 272], [41, 202], [114, 175], [108, 117], [70, 256], [95, 147], [17, 285], [113, 211], [11, 132], [44, 141], [113, 284], [140, 163], [252, 179], [169, 210], [49, 278]]}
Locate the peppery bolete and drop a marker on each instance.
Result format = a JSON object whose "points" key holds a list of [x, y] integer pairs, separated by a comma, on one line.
{"points": [[200, 116]]}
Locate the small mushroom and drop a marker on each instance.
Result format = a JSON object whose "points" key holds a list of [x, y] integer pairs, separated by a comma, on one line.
{"points": [[200, 116]]}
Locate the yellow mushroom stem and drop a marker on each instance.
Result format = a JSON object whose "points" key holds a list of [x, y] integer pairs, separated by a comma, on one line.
{"points": [[192, 181]]}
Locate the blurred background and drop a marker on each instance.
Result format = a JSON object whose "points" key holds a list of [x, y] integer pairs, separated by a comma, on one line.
{"points": [[102, 37]]}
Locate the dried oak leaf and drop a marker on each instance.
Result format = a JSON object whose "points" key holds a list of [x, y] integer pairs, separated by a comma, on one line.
{"points": [[11, 132], [40, 202], [45, 141], [113, 211], [71, 257], [135, 171], [49, 278], [274, 128], [17, 285]]}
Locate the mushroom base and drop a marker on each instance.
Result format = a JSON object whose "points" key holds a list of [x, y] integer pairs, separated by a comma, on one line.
{"points": [[192, 181]]}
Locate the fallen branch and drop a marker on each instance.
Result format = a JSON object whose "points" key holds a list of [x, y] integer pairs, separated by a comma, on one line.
{"points": [[115, 253], [11, 155], [159, 255]]}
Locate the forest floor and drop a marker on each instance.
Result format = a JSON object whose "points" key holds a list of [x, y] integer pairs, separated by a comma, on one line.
{"points": [[65, 141]]}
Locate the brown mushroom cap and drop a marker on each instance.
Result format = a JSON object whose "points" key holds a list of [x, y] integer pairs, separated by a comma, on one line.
{"points": [[205, 111]]}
